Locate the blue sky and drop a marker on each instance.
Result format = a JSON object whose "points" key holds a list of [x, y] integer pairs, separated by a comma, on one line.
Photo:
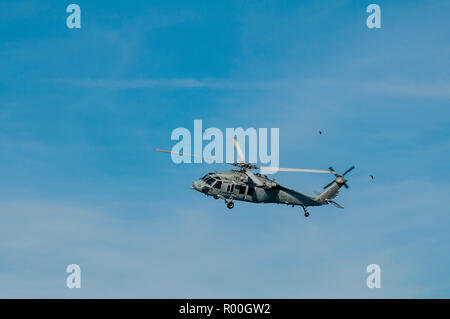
{"points": [[82, 110]]}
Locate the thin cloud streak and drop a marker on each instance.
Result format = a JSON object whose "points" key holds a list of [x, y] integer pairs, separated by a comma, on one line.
{"points": [[389, 88], [437, 90], [411, 90], [182, 83]]}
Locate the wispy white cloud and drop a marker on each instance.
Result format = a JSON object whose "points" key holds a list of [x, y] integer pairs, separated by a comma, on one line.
{"points": [[182, 83], [404, 89], [438, 90], [410, 90]]}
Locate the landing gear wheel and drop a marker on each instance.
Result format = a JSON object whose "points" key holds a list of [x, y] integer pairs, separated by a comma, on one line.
{"points": [[230, 205], [306, 212], [216, 197]]}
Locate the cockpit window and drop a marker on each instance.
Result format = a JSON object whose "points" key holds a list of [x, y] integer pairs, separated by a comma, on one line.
{"points": [[209, 181], [218, 185]]}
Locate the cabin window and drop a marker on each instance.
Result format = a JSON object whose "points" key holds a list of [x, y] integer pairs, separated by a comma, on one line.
{"points": [[218, 184], [251, 191], [242, 190]]}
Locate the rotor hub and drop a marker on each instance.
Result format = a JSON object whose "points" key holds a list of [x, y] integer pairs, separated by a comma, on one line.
{"points": [[245, 165]]}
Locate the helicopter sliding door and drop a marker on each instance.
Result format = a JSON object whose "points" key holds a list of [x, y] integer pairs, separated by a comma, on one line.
{"points": [[240, 192]]}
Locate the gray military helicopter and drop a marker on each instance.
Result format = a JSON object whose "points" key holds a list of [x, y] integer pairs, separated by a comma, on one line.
{"points": [[244, 185]]}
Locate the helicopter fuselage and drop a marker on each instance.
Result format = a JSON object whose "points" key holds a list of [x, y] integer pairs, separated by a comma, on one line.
{"points": [[235, 185]]}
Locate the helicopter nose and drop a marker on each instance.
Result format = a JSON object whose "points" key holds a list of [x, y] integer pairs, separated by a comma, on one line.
{"points": [[195, 185], [200, 186]]}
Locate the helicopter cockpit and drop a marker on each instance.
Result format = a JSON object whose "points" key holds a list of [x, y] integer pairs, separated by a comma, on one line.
{"points": [[205, 183], [208, 179]]}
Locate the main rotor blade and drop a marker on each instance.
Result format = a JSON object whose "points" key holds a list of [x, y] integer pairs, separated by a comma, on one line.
{"points": [[348, 170], [186, 154], [328, 185], [269, 168], [238, 150]]}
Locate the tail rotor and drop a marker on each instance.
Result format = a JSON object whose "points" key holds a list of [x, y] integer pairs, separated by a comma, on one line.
{"points": [[340, 180]]}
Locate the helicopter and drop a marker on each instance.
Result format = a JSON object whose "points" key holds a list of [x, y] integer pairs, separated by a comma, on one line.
{"points": [[243, 184]]}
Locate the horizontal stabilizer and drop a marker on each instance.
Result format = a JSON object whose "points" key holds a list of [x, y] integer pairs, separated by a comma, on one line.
{"points": [[334, 203]]}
